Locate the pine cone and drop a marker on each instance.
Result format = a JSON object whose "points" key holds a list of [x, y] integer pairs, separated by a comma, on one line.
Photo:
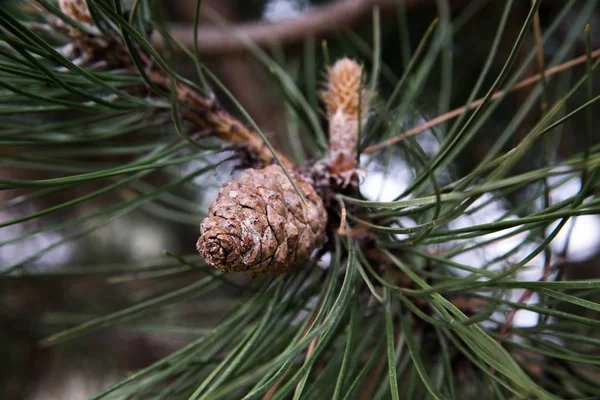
{"points": [[345, 101], [258, 223]]}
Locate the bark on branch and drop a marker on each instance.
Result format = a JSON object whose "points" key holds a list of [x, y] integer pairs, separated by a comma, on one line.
{"points": [[318, 21]]}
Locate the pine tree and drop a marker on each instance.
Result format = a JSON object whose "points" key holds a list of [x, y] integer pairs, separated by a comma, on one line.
{"points": [[342, 295]]}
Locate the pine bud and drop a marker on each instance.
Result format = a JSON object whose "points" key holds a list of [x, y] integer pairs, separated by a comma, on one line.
{"points": [[258, 223], [346, 101]]}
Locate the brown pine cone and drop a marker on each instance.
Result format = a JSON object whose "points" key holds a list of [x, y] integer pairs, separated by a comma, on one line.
{"points": [[259, 225]]}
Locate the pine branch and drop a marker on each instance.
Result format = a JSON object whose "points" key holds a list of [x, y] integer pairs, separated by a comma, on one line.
{"points": [[416, 296], [321, 21]]}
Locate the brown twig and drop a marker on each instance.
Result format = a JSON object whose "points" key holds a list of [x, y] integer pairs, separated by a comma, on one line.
{"points": [[465, 304], [201, 110], [537, 33], [318, 21], [206, 114], [455, 113], [342, 229], [310, 349], [513, 312], [366, 393]]}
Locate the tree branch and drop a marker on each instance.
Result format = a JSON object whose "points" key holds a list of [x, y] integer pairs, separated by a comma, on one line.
{"points": [[458, 111], [319, 21]]}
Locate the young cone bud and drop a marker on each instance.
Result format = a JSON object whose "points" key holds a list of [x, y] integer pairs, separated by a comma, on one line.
{"points": [[346, 102], [258, 223]]}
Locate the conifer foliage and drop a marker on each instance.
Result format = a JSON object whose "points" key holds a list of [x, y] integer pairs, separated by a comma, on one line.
{"points": [[352, 293]]}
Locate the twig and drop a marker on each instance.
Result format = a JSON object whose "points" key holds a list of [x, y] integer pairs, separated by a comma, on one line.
{"points": [[464, 303], [359, 231], [455, 113], [206, 114], [342, 228], [366, 393], [537, 33], [310, 349], [203, 111], [319, 21], [513, 312]]}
